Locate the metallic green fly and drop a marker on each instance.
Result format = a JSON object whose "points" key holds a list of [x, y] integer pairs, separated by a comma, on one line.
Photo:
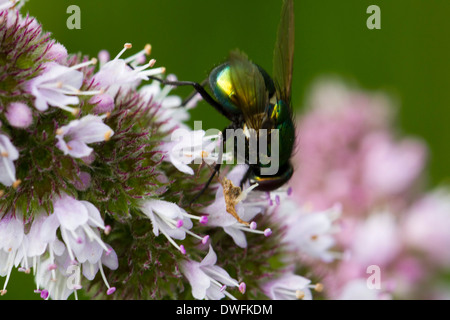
{"points": [[244, 93]]}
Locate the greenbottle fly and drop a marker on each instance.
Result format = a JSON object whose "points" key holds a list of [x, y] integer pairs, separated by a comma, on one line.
{"points": [[245, 94]]}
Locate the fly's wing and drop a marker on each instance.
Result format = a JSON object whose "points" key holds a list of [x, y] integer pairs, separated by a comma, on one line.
{"points": [[283, 58], [250, 93]]}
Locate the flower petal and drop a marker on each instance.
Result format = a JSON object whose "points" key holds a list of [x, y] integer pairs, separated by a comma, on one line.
{"points": [[199, 281], [237, 235], [71, 213]]}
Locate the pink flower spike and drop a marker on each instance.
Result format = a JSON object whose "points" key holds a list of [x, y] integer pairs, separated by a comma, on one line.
{"points": [[204, 220], [205, 239], [182, 249], [267, 232], [179, 223], [242, 287], [111, 291]]}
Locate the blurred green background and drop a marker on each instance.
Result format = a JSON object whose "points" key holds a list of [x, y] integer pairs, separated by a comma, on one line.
{"points": [[408, 58]]}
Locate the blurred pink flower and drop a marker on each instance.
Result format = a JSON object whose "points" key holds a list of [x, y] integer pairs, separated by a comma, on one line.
{"points": [[309, 234], [376, 240], [350, 153], [347, 153], [390, 168], [426, 226], [357, 290]]}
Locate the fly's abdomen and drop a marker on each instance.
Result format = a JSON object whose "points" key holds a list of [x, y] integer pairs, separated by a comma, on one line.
{"points": [[284, 135], [273, 182], [287, 140]]}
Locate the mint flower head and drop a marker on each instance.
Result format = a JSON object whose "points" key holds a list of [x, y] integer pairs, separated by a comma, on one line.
{"points": [[96, 182]]}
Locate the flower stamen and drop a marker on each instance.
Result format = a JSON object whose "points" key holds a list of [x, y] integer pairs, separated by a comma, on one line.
{"points": [[144, 52], [110, 290], [93, 61], [126, 47]]}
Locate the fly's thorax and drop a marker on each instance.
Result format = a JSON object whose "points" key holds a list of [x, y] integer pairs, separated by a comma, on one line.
{"points": [[222, 87], [224, 90]]}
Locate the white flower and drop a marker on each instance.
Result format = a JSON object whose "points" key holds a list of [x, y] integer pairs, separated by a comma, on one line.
{"points": [[207, 280], [55, 87], [123, 74], [78, 222], [310, 233], [172, 221], [54, 274], [74, 137], [109, 259], [188, 147], [290, 287], [59, 86], [8, 154], [172, 114], [12, 245], [39, 245], [54, 284]]}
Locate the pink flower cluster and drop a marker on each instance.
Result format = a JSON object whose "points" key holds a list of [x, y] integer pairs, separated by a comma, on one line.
{"points": [[394, 235], [348, 152]]}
